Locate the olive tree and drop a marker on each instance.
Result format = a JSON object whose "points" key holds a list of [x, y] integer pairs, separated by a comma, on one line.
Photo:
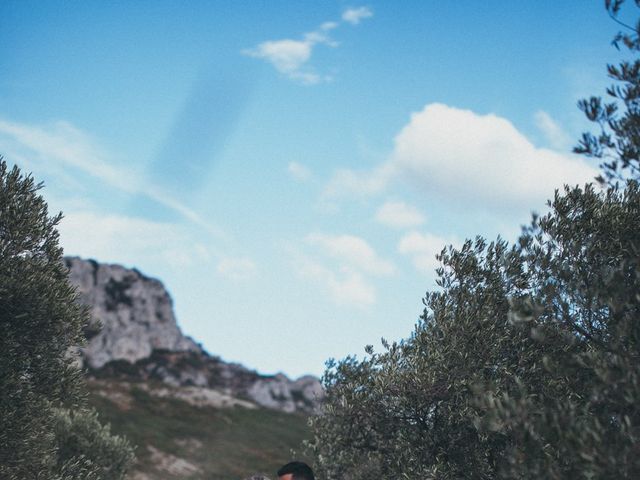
{"points": [[40, 321], [584, 260], [412, 410], [583, 420]]}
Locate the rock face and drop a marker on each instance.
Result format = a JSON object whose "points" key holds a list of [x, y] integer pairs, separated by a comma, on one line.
{"points": [[140, 341], [135, 312], [282, 394]]}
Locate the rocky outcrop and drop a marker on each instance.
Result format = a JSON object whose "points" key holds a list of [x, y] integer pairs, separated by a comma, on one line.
{"points": [[140, 341], [192, 370], [280, 393], [133, 313]]}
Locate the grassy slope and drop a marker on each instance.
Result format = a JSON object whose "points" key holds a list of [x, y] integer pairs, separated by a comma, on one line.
{"points": [[225, 444]]}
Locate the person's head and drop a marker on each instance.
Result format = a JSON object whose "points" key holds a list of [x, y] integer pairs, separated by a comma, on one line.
{"points": [[295, 471]]}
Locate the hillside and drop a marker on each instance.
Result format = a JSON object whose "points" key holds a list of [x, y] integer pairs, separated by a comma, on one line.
{"points": [[176, 439], [190, 414]]}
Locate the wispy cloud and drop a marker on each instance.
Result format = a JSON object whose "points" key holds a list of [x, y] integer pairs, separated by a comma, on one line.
{"points": [[291, 56], [240, 268], [343, 266], [399, 215], [422, 248], [298, 171], [62, 146], [355, 15], [345, 286], [554, 133], [101, 236], [352, 251], [360, 183]]}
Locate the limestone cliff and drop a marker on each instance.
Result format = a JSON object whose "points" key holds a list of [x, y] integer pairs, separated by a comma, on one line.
{"points": [[139, 340], [135, 313]]}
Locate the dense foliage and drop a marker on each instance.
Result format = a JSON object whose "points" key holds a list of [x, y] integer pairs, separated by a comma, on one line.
{"points": [[411, 410], [40, 321], [583, 420], [82, 438], [526, 362]]}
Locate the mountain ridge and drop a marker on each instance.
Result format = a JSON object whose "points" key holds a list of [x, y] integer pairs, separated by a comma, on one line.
{"points": [[134, 336]]}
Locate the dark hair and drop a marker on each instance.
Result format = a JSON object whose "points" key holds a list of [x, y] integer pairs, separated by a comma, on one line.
{"points": [[300, 471]]}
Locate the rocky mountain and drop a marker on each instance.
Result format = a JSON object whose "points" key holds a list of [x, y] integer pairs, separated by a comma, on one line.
{"points": [[135, 338]]}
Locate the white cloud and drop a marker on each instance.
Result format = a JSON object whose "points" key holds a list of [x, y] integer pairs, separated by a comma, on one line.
{"points": [[291, 57], [71, 159], [342, 266], [326, 26], [399, 215], [474, 160], [362, 183], [298, 171], [423, 248], [345, 287], [355, 15], [353, 252], [61, 146], [63, 142], [481, 158], [241, 268], [554, 133], [129, 240]]}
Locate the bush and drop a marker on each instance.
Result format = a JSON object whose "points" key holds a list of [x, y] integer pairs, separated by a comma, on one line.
{"points": [[84, 441]]}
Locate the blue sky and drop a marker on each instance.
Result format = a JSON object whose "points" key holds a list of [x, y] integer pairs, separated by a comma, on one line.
{"points": [[290, 169]]}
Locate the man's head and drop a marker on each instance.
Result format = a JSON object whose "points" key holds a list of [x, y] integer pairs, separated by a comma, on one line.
{"points": [[296, 471]]}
